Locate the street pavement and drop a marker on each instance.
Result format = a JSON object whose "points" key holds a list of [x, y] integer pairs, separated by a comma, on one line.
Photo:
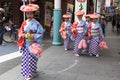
{"points": [[10, 57], [58, 64]]}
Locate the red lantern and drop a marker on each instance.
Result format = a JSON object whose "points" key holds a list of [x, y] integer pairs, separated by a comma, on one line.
{"points": [[81, 0]]}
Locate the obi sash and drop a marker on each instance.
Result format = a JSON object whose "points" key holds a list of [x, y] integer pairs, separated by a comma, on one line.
{"points": [[95, 32], [80, 29]]}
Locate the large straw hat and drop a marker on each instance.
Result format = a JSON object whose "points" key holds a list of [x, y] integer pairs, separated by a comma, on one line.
{"points": [[94, 15], [29, 8], [66, 16], [79, 13]]}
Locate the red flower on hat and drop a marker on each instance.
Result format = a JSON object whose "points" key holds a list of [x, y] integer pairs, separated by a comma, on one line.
{"points": [[79, 12], [66, 16], [94, 15]]}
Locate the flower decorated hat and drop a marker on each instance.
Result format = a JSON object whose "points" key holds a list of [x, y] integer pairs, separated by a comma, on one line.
{"points": [[88, 15], [29, 8], [79, 13], [93, 16], [66, 16]]}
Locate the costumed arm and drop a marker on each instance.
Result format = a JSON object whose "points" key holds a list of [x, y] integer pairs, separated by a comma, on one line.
{"points": [[86, 28], [61, 27], [101, 33], [39, 33], [20, 42], [73, 29]]}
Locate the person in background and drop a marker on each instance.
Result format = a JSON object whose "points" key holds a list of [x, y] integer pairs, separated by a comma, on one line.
{"points": [[95, 35], [2, 19], [78, 30], [65, 31], [102, 22], [51, 30], [118, 22], [113, 22], [30, 31], [87, 22]]}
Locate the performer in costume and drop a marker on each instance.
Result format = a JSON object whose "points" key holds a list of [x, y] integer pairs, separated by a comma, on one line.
{"points": [[87, 22], [30, 31], [78, 28], [95, 35], [65, 31]]}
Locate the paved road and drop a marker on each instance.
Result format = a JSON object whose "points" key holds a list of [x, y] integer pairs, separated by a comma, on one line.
{"points": [[65, 66]]}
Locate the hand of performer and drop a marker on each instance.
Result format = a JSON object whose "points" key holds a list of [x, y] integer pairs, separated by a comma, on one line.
{"points": [[32, 36], [22, 35]]}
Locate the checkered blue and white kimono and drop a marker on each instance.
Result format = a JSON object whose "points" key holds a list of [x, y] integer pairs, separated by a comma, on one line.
{"points": [[95, 39], [29, 61], [78, 28]]}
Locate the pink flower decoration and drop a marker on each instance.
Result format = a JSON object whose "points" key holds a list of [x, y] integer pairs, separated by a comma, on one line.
{"points": [[36, 49], [66, 16], [79, 12], [29, 8], [82, 44], [103, 45]]}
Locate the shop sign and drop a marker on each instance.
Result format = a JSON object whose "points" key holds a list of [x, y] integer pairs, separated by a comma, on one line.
{"points": [[48, 13], [107, 3], [81, 0]]}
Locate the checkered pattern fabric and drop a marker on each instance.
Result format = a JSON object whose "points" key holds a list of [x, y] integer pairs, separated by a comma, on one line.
{"points": [[76, 42], [94, 47], [67, 42], [29, 64]]}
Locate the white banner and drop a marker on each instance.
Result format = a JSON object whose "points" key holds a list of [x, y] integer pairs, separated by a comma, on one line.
{"points": [[107, 3]]}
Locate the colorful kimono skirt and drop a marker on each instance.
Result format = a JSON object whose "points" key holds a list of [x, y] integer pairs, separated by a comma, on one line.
{"points": [[94, 47], [76, 50], [67, 42], [29, 63]]}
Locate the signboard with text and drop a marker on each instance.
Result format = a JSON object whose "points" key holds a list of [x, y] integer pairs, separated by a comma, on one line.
{"points": [[107, 3]]}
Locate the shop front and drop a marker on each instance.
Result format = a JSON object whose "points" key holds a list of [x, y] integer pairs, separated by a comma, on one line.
{"points": [[12, 11], [44, 15]]}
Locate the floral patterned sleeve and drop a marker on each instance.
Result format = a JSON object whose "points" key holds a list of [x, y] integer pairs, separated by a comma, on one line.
{"points": [[39, 33]]}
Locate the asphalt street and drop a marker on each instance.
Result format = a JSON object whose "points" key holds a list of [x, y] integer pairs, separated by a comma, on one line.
{"points": [[57, 64], [11, 48]]}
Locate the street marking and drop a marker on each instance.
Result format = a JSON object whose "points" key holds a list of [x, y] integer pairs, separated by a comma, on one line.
{"points": [[71, 66], [10, 56]]}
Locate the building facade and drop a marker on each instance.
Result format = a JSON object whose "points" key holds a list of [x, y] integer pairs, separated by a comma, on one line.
{"points": [[44, 15]]}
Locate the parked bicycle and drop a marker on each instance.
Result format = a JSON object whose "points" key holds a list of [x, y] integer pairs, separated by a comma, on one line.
{"points": [[10, 33]]}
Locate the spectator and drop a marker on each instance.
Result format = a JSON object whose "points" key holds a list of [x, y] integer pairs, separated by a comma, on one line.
{"points": [[65, 31], [2, 19]]}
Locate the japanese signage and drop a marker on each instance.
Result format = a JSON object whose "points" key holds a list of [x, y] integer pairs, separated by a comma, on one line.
{"points": [[107, 3]]}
